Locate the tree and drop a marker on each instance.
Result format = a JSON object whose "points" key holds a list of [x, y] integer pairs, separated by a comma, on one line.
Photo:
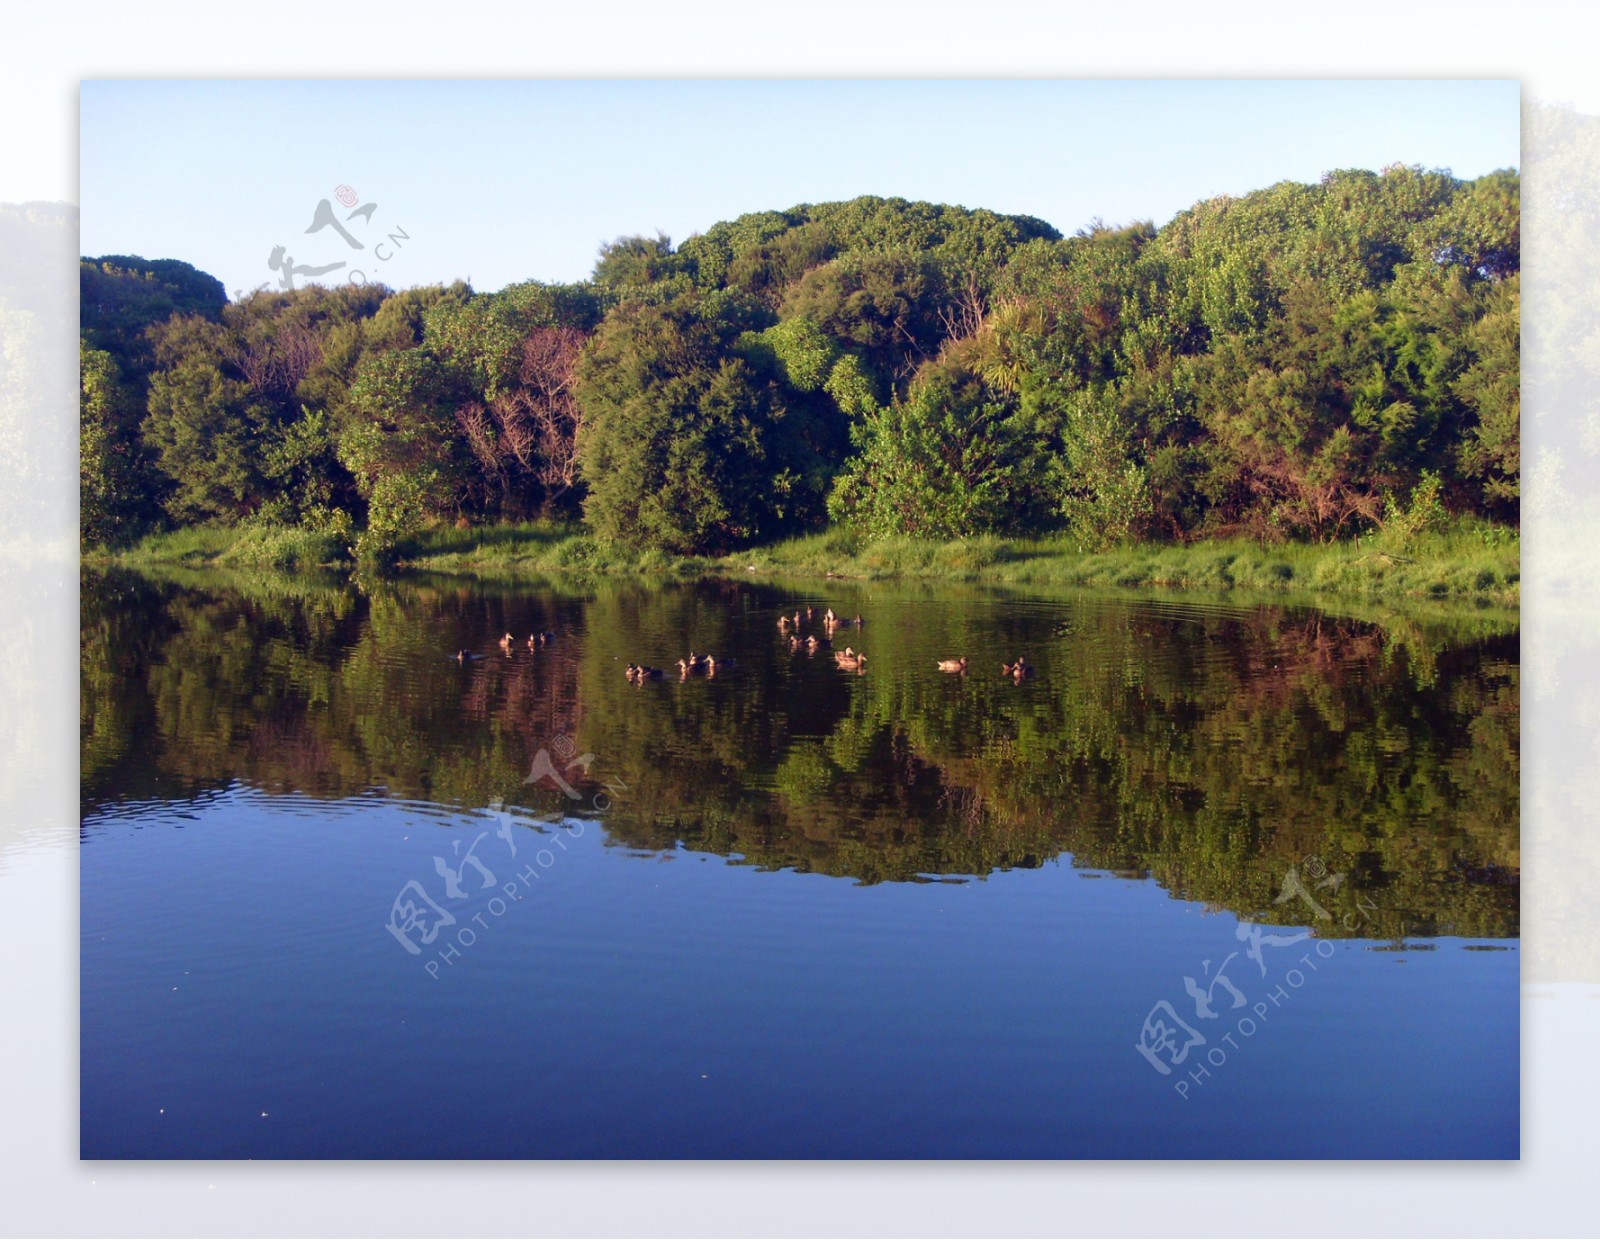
{"points": [[123, 301], [307, 485], [681, 446], [204, 425], [525, 439], [401, 445], [769, 270], [885, 307], [1490, 452], [1294, 362], [122, 295], [1103, 494], [947, 461], [517, 350], [1480, 231], [631, 263], [114, 502]]}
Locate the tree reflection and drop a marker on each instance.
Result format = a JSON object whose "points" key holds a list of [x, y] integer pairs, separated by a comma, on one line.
{"points": [[1210, 749]]}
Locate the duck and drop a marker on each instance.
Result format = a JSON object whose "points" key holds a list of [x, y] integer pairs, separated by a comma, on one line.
{"points": [[505, 643], [954, 665], [533, 641], [814, 644], [1020, 670], [715, 665], [694, 663], [544, 638], [794, 645], [464, 656], [647, 673], [829, 618], [784, 624], [633, 671], [859, 622], [849, 659]]}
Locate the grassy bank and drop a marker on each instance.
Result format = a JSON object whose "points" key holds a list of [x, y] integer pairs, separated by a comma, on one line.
{"points": [[242, 547], [522, 549], [1470, 560], [543, 548]]}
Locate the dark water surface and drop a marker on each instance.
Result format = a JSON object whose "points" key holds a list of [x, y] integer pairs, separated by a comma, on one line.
{"points": [[792, 910]]}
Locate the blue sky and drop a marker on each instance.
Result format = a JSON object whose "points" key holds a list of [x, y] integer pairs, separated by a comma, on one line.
{"points": [[507, 181]]}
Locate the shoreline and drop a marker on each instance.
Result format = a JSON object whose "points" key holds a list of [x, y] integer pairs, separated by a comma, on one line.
{"points": [[1470, 562]]}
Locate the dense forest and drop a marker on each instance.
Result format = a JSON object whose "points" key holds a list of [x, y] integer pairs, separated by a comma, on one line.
{"points": [[1307, 362]]}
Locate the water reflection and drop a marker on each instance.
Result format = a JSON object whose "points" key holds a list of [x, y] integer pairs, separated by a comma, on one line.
{"points": [[1208, 746]]}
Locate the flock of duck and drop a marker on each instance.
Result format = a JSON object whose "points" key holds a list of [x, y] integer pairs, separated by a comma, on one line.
{"points": [[791, 627], [848, 659], [709, 665], [1020, 670], [536, 641], [695, 665]]}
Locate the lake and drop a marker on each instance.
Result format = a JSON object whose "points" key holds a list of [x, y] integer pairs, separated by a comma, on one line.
{"points": [[1221, 878]]}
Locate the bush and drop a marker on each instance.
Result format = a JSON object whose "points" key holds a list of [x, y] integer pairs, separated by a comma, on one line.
{"points": [[943, 463], [687, 447], [1424, 514]]}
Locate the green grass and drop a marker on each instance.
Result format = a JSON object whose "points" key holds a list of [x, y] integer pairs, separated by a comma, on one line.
{"points": [[244, 546], [1470, 560], [542, 548]]}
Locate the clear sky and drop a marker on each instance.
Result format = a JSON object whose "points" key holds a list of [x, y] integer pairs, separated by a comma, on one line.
{"points": [[507, 181]]}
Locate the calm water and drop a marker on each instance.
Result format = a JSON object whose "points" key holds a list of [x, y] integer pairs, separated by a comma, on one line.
{"points": [[344, 895]]}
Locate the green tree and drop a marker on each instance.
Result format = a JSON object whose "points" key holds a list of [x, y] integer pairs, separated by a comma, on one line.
{"points": [[1102, 493], [885, 307], [114, 503], [684, 445], [306, 482], [944, 462], [400, 441], [120, 296], [517, 351], [206, 428], [633, 263], [1289, 363], [1490, 451]]}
